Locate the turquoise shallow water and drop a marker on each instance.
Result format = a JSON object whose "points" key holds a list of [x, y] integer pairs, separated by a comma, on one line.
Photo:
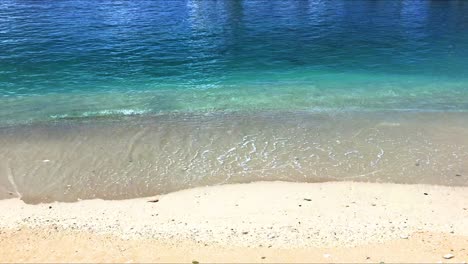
{"points": [[81, 58]]}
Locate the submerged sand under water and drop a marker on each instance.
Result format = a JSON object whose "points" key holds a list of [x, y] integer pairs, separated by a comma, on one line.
{"points": [[129, 157]]}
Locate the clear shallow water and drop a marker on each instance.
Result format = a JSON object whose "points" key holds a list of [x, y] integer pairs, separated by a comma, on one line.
{"points": [[127, 157], [72, 59]]}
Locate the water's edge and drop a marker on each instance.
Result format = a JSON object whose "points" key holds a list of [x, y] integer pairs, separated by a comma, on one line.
{"points": [[139, 156]]}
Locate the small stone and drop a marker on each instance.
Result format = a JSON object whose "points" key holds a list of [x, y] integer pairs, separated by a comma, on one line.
{"points": [[245, 233], [448, 256], [153, 201], [426, 194], [46, 160], [374, 204], [307, 199], [458, 175], [263, 257], [403, 236], [50, 206]]}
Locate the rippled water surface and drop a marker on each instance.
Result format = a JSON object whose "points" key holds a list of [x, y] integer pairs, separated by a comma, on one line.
{"points": [[134, 157], [81, 58], [121, 99]]}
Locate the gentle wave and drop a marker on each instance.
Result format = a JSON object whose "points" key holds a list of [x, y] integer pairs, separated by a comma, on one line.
{"points": [[113, 112]]}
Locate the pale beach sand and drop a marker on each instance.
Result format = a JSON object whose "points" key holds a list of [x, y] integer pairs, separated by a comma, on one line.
{"points": [[256, 222]]}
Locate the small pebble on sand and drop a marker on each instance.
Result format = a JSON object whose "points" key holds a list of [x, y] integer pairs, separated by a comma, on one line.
{"points": [[448, 256], [403, 236]]}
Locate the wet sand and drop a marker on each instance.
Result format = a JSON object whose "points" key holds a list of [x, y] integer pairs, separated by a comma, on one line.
{"points": [[130, 157], [256, 222]]}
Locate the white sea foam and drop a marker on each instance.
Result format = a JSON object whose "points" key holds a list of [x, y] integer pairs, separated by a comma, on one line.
{"points": [[124, 112]]}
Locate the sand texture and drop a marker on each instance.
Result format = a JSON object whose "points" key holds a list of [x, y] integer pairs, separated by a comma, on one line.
{"points": [[263, 221]]}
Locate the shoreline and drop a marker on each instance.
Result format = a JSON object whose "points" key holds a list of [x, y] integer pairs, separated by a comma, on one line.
{"points": [[68, 161], [283, 221]]}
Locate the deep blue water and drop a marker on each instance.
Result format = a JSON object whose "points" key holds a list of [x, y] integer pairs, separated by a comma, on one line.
{"points": [[81, 58]]}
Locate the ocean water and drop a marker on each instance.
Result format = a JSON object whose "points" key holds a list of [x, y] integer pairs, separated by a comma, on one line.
{"points": [[119, 99], [82, 58]]}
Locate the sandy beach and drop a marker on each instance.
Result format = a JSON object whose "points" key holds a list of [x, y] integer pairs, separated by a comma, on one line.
{"points": [[255, 222], [234, 131]]}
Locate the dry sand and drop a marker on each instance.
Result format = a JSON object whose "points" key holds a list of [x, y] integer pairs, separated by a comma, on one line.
{"points": [[257, 222]]}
